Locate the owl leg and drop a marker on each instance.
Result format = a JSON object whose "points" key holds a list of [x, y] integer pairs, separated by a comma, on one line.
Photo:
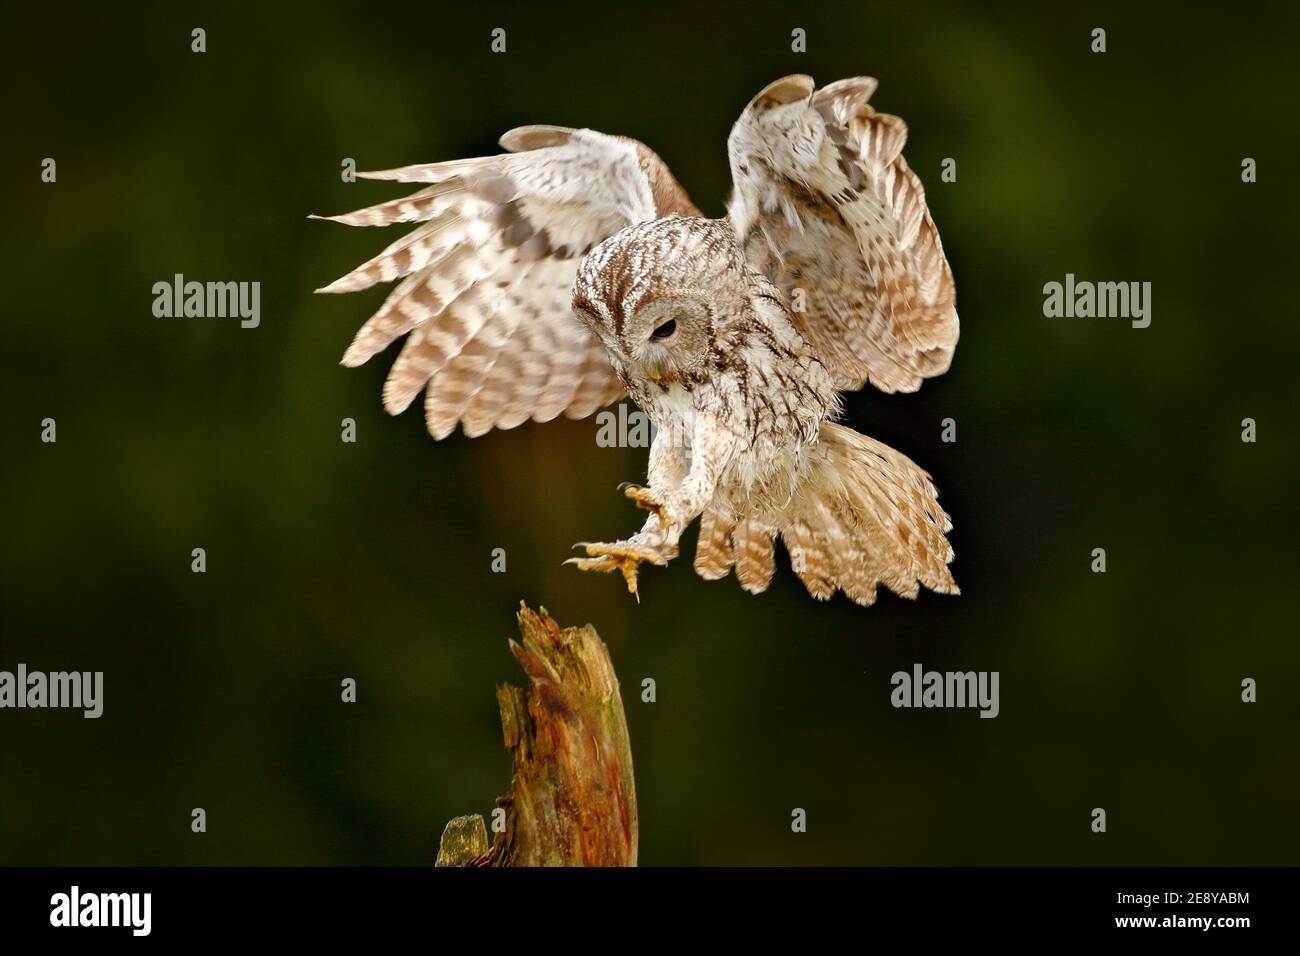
{"points": [[623, 556], [673, 509], [645, 498], [668, 468], [677, 495]]}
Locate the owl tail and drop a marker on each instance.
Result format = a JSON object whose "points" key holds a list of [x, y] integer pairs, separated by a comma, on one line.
{"points": [[863, 515]]}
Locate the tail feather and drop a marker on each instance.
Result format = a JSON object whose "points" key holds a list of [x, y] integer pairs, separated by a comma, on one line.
{"points": [[809, 557], [752, 542], [713, 557], [865, 515]]}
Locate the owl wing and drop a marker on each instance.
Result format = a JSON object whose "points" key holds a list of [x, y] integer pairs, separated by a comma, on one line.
{"points": [[486, 277], [826, 206]]}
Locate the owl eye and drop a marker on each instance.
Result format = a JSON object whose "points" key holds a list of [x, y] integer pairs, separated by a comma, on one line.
{"points": [[665, 330]]}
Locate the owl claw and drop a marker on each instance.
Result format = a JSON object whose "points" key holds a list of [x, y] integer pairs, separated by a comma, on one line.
{"points": [[645, 498], [619, 556]]}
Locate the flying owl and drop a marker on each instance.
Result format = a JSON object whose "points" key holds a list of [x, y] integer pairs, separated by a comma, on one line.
{"points": [[574, 269]]}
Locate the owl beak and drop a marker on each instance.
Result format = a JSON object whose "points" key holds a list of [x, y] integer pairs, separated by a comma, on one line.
{"points": [[654, 372]]}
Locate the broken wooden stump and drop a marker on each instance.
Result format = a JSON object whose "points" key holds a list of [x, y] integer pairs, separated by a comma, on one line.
{"points": [[572, 799]]}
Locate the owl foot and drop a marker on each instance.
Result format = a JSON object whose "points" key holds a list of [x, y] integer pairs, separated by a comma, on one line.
{"points": [[645, 498], [622, 555]]}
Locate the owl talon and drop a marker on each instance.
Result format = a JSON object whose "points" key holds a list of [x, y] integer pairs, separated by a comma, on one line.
{"points": [[619, 556], [645, 498]]}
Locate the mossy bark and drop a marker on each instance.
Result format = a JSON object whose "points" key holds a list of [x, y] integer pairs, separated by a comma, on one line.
{"points": [[572, 800]]}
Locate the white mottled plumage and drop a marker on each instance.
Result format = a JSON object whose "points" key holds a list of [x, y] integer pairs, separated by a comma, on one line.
{"points": [[554, 277]]}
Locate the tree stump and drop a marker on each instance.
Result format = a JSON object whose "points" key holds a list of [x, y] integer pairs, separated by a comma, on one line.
{"points": [[572, 799]]}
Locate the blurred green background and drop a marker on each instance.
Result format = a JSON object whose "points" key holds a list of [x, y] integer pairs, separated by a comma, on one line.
{"points": [[372, 560]]}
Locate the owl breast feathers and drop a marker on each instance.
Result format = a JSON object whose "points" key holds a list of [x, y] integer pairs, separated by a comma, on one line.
{"points": [[574, 269]]}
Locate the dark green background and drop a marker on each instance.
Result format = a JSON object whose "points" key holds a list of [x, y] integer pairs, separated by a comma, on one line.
{"points": [[371, 560]]}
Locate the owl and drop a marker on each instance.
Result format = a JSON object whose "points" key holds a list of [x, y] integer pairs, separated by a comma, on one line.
{"points": [[573, 270]]}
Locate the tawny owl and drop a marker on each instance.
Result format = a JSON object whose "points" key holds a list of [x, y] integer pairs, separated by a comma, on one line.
{"points": [[574, 269]]}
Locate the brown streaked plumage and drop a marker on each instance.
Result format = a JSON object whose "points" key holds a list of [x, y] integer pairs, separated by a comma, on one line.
{"points": [[734, 335]]}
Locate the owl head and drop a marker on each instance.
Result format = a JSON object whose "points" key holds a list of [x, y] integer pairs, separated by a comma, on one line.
{"points": [[656, 294]]}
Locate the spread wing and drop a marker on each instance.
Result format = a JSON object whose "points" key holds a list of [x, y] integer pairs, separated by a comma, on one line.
{"points": [[486, 277], [826, 206]]}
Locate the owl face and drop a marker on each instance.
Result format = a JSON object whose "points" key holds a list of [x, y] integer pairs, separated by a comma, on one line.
{"points": [[655, 295], [667, 337]]}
